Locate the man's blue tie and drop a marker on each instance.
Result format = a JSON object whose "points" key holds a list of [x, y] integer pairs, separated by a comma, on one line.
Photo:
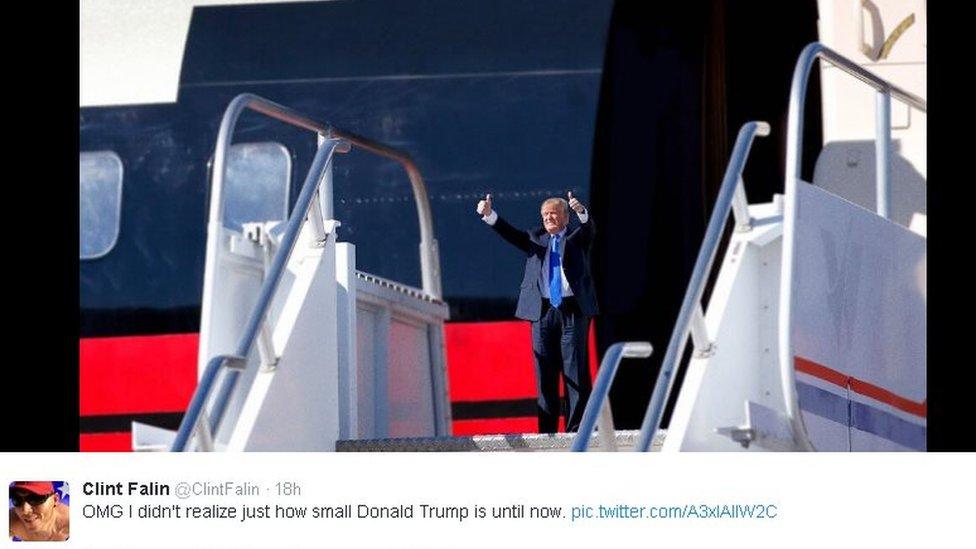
{"points": [[555, 277]]}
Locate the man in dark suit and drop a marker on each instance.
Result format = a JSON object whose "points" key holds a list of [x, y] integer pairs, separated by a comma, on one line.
{"points": [[558, 297]]}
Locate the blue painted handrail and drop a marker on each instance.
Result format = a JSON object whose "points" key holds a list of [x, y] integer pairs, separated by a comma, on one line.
{"points": [[598, 403]]}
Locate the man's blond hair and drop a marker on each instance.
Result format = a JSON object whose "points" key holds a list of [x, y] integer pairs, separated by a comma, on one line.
{"points": [[556, 200]]}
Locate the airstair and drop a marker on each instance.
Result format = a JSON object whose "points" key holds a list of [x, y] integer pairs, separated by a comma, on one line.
{"points": [[813, 337], [298, 348]]}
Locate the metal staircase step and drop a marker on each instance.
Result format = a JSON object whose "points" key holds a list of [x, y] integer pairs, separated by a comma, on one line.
{"points": [[528, 442]]}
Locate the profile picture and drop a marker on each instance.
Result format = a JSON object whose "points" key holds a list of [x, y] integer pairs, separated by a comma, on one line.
{"points": [[38, 510]]}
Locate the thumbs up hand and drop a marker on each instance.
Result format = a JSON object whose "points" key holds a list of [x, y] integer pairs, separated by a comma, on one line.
{"points": [[484, 206], [576, 205]]}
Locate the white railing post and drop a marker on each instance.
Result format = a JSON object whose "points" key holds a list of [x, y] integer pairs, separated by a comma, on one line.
{"points": [[699, 334], [740, 208], [882, 154]]}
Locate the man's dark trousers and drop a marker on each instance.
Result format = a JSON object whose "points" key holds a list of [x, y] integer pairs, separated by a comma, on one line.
{"points": [[559, 344], [558, 335]]}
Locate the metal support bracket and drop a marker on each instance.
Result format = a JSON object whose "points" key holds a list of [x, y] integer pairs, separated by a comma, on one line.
{"points": [[269, 359], [707, 352], [329, 229], [342, 145], [740, 208], [764, 426], [704, 347], [235, 363]]}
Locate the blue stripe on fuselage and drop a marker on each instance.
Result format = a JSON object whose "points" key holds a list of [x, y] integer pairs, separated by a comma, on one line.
{"points": [[860, 416]]}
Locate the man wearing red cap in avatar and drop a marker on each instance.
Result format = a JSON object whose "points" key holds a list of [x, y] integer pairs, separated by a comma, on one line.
{"points": [[37, 513]]}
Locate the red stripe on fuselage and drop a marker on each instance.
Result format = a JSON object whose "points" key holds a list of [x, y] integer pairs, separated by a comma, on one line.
{"points": [[467, 427], [487, 361], [105, 442], [861, 387], [493, 360], [137, 374], [490, 360]]}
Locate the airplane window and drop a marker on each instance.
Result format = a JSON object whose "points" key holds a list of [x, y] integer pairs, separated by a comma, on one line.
{"points": [[256, 187], [100, 198]]}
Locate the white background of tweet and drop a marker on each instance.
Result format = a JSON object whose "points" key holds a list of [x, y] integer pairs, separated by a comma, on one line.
{"points": [[873, 500]]}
